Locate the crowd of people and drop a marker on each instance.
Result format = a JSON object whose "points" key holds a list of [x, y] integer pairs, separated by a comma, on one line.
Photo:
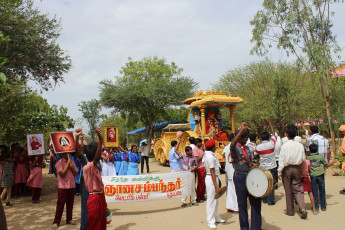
{"points": [[300, 168]]}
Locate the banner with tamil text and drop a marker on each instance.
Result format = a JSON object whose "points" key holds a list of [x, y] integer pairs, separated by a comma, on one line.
{"points": [[147, 187]]}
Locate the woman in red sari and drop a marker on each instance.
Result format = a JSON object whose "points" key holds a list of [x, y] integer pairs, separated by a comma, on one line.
{"points": [[35, 179]]}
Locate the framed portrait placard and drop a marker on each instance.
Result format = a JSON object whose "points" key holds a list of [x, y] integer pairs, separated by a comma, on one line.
{"points": [[35, 143], [111, 136], [63, 141]]}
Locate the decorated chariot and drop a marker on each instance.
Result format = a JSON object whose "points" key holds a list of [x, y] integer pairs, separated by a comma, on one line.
{"points": [[204, 121]]}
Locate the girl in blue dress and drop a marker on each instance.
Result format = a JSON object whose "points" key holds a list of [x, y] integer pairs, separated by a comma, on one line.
{"points": [[134, 159], [124, 163], [117, 160]]}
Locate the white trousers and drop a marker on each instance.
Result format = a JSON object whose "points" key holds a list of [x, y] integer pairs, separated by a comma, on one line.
{"points": [[185, 199], [108, 169], [211, 204], [231, 197]]}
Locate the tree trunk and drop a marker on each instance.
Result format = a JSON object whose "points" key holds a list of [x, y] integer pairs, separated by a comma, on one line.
{"points": [[330, 124], [149, 131]]}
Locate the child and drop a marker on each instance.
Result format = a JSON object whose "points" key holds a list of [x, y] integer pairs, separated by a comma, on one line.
{"points": [[134, 160], [124, 164], [189, 164], [108, 168], [35, 179], [77, 177], [7, 176], [305, 167], [117, 160], [212, 167], [317, 175], [66, 171], [20, 172], [96, 205]]}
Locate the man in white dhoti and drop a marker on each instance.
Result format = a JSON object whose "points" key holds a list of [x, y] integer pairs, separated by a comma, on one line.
{"points": [[231, 198]]}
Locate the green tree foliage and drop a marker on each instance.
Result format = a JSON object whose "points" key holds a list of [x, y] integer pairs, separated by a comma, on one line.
{"points": [[32, 51], [146, 88], [172, 114], [24, 111], [92, 113], [303, 28], [280, 92]]}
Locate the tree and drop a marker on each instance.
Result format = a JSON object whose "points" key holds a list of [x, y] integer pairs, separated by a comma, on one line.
{"points": [[24, 111], [146, 88], [3, 60], [32, 51], [302, 28], [91, 112], [279, 91]]}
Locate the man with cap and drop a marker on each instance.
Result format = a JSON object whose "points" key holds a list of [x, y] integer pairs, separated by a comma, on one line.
{"points": [[242, 162], [342, 150], [212, 184]]}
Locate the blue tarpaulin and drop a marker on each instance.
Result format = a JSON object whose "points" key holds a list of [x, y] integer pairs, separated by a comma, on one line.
{"points": [[156, 127]]}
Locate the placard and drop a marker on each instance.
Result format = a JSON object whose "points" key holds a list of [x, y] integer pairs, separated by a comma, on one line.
{"points": [[35, 143], [111, 136], [63, 141]]}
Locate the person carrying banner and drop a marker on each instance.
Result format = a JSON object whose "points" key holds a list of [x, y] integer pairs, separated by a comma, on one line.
{"points": [[96, 204], [189, 164], [212, 167]]}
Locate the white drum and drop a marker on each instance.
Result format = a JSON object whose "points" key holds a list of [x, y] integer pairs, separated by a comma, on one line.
{"points": [[259, 182]]}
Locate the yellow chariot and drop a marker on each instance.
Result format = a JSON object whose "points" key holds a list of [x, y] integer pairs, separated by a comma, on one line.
{"points": [[204, 121]]}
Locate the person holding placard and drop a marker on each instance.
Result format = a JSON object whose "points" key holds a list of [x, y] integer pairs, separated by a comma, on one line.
{"points": [[35, 180], [66, 171], [96, 204]]}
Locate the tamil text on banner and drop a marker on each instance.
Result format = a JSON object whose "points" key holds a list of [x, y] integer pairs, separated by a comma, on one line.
{"points": [[147, 187]]}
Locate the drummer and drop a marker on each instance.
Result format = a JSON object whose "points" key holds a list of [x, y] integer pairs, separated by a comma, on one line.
{"points": [[242, 162]]}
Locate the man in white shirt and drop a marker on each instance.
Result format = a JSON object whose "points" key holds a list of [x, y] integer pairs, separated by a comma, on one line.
{"points": [[291, 156], [231, 197], [267, 154], [212, 182], [322, 142], [192, 142]]}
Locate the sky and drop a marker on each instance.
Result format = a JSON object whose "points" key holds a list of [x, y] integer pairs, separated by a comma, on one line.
{"points": [[204, 37]]}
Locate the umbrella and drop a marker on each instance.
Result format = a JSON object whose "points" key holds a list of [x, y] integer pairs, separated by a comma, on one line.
{"points": [[141, 142]]}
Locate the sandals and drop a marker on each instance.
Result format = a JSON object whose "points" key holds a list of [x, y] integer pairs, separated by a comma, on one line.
{"points": [[71, 222], [55, 226], [184, 205]]}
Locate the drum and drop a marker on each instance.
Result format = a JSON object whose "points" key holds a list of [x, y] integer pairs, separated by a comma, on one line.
{"points": [[259, 182]]}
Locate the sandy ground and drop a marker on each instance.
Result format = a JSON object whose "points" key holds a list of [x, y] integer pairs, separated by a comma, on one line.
{"points": [[167, 214]]}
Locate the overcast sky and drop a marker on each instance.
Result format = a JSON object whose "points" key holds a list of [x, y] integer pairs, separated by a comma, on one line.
{"points": [[204, 37]]}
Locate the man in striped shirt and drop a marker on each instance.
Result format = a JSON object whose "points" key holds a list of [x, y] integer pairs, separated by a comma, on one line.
{"points": [[267, 155]]}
